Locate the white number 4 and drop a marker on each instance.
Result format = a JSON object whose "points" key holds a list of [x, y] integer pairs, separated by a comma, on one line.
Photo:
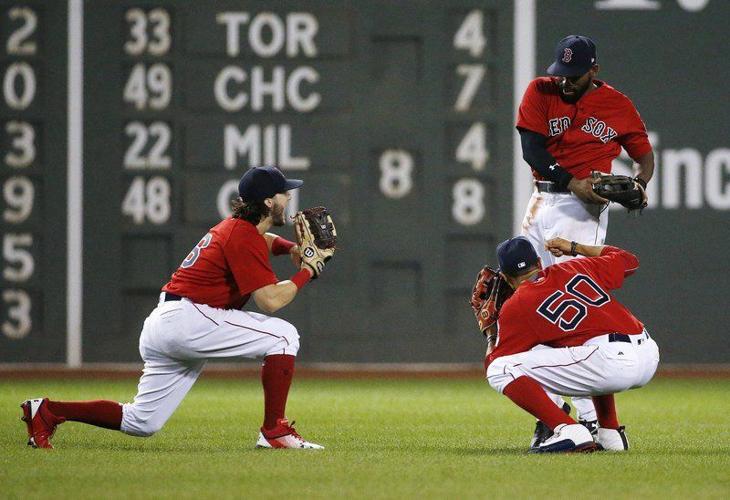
{"points": [[470, 35], [473, 147]]}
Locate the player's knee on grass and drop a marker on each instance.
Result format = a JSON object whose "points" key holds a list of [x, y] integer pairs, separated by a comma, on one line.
{"points": [[139, 426], [502, 372], [288, 342]]}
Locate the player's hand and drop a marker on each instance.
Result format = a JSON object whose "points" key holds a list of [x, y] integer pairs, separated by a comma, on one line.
{"points": [[583, 189], [296, 256], [644, 197], [558, 246]]}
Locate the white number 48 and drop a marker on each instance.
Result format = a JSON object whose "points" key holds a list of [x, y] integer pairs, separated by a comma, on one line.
{"points": [[148, 200]]}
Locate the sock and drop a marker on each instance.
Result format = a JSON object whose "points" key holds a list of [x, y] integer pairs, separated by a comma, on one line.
{"points": [[531, 397], [606, 411], [107, 414], [584, 408], [276, 375]]}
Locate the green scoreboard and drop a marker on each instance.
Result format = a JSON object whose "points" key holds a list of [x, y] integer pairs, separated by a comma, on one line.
{"points": [[126, 125], [33, 180], [397, 115]]}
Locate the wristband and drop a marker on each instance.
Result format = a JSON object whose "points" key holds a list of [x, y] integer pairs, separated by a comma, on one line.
{"points": [[301, 278], [573, 246], [641, 182], [280, 246]]}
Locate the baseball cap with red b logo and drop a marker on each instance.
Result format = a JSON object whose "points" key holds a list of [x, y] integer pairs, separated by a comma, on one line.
{"points": [[574, 56]]}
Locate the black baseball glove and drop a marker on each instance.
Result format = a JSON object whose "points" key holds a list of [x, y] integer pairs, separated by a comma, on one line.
{"points": [[620, 189]]}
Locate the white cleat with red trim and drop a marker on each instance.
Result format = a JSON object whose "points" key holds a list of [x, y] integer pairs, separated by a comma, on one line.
{"points": [[284, 436]]}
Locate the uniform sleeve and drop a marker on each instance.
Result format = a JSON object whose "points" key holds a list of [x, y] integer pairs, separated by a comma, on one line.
{"points": [[515, 333], [611, 267], [634, 138], [532, 114], [248, 260]]}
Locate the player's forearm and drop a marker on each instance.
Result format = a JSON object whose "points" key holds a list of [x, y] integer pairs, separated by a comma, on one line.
{"points": [[645, 167], [271, 298], [535, 153], [276, 296], [589, 250]]}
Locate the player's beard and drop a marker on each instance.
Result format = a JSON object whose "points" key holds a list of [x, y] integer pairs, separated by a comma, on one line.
{"points": [[277, 215], [577, 91]]}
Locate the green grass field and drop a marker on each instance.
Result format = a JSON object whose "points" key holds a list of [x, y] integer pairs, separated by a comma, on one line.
{"points": [[384, 439]]}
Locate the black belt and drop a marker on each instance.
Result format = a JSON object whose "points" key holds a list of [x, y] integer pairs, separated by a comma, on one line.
{"points": [[549, 187], [618, 337], [169, 297], [622, 337]]}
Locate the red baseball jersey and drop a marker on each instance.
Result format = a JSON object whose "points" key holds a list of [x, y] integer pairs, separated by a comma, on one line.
{"points": [[225, 267], [568, 304], [587, 135]]}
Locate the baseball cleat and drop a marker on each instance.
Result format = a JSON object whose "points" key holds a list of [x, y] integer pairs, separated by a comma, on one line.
{"points": [[41, 423], [284, 436], [612, 439], [543, 432], [568, 438], [591, 425]]}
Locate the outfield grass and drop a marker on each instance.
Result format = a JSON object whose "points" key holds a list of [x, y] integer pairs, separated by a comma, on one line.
{"points": [[384, 439]]}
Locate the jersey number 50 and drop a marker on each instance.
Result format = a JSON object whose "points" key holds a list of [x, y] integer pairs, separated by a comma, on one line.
{"points": [[566, 309]]}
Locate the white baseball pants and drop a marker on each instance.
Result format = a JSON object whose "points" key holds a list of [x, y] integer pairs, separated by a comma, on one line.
{"points": [[177, 339], [592, 369], [551, 215]]}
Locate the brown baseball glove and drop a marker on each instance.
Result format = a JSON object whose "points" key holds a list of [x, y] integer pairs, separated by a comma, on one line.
{"points": [[489, 293], [316, 237]]}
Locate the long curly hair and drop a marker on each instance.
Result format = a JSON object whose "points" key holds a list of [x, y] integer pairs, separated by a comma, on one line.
{"points": [[251, 211]]}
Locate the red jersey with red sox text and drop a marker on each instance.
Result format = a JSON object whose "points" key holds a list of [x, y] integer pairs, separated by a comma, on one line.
{"points": [[225, 267], [587, 135], [568, 304]]}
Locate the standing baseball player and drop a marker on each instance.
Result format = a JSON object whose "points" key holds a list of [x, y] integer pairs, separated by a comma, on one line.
{"points": [[572, 124], [199, 317], [594, 345]]}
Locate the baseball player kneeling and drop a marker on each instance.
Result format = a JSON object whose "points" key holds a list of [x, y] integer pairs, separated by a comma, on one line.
{"points": [[596, 347], [199, 317]]}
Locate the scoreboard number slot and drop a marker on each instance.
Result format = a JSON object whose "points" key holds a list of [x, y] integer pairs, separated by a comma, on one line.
{"points": [[22, 142], [18, 308], [149, 87], [19, 85], [468, 207], [149, 32], [19, 261], [18, 41], [155, 139], [396, 173], [148, 200], [19, 195], [470, 35]]}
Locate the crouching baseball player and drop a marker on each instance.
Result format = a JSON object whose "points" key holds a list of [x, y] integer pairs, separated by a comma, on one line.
{"points": [[199, 317], [595, 346]]}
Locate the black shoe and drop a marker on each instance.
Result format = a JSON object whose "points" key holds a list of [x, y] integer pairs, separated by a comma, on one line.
{"points": [[591, 425], [543, 432]]}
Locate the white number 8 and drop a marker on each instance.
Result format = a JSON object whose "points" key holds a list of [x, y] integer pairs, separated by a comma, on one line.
{"points": [[468, 207], [396, 168]]}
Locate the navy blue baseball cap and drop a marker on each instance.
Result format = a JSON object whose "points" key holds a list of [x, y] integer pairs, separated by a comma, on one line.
{"points": [[259, 183], [574, 56], [516, 255]]}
